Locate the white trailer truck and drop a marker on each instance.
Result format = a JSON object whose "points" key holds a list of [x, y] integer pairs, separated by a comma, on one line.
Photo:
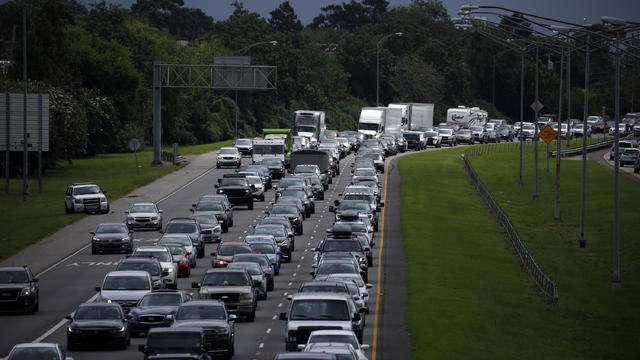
{"points": [[309, 123], [372, 121], [420, 116], [467, 116]]}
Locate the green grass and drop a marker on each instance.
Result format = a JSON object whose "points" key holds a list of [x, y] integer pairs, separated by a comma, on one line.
{"points": [[469, 298], [24, 223], [200, 149]]}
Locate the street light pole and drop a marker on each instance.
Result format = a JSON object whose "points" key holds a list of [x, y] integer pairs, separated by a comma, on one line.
{"points": [[493, 82], [556, 210], [568, 95], [25, 138], [521, 112], [616, 181], [583, 241], [536, 196], [378, 64]]}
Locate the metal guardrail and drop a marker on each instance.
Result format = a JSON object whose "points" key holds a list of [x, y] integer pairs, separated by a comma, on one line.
{"points": [[590, 148], [544, 282]]}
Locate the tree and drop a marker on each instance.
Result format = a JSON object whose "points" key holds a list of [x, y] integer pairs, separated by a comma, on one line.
{"points": [[284, 19]]}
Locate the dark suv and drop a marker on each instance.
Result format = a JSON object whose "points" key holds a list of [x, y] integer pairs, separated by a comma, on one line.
{"points": [[237, 189], [19, 289], [175, 343], [187, 226]]}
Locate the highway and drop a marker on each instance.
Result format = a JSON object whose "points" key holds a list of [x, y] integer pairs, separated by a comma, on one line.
{"points": [[72, 281]]}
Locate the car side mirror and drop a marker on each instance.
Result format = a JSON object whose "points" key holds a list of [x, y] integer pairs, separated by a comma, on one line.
{"points": [[216, 186], [364, 347], [266, 212], [92, 232], [332, 209], [193, 205], [104, 191], [68, 317], [35, 280], [302, 346], [381, 203], [126, 211], [142, 348], [97, 288], [356, 317], [195, 285], [232, 317], [283, 316], [160, 211], [165, 272], [256, 283], [336, 202], [192, 210], [161, 231], [369, 286]]}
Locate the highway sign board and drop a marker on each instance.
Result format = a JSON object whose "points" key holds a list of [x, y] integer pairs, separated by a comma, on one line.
{"points": [[547, 134], [12, 122], [537, 106]]}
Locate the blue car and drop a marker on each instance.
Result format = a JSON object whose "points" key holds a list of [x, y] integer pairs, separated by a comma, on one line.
{"points": [[263, 171], [268, 248]]}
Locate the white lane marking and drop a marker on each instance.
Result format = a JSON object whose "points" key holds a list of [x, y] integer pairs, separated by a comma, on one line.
{"points": [[61, 261], [285, 293], [295, 274], [268, 330], [301, 257], [261, 346], [289, 284], [61, 323], [275, 317], [280, 305], [309, 243], [185, 185], [298, 266]]}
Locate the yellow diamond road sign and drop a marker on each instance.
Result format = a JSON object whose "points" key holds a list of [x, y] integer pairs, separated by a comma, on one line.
{"points": [[547, 134]]}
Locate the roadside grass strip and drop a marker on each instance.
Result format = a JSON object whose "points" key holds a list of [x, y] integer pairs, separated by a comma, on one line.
{"points": [[24, 223], [468, 296]]}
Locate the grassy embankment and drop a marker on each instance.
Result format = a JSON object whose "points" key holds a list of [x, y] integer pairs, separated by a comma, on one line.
{"points": [[468, 297], [24, 223]]}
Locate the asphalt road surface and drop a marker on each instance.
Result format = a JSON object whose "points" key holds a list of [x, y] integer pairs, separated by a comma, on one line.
{"points": [[72, 281]]}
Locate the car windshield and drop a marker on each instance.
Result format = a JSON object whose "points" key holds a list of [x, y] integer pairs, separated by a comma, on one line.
{"points": [[277, 231], [226, 279], [209, 206], [364, 197], [253, 180], [262, 260], [170, 341], [34, 353], [13, 276], [254, 237], [125, 283], [243, 142], [285, 183], [358, 227], [205, 219], [337, 245], [272, 162], [263, 248], [228, 151], [528, 126], [111, 229], [268, 149], [320, 287], [629, 151], [234, 181], [180, 228], [372, 156], [149, 267], [146, 208], [158, 299], [230, 250], [177, 250], [182, 240], [86, 190], [464, 132], [358, 280], [201, 312], [354, 205], [162, 256], [288, 200], [305, 169], [368, 126], [476, 128], [335, 268], [367, 183], [306, 128], [320, 309], [334, 338], [252, 268], [364, 172], [97, 313], [284, 210], [296, 193], [445, 132]]}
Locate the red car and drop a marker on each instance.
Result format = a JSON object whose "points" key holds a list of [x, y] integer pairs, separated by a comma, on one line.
{"points": [[225, 252], [179, 254]]}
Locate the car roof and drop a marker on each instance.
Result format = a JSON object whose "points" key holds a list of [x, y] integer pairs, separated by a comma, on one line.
{"points": [[200, 302], [143, 203], [13, 268], [128, 273], [333, 332], [303, 355], [180, 329], [138, 259], [99, 304], [152, 248], [184, 220], [217, 270], [319, 295], [36, 345], [112, 223]]}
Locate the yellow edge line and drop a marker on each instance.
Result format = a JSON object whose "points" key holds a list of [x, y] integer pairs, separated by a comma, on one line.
{"points": [[375, 319], [611, 163]]}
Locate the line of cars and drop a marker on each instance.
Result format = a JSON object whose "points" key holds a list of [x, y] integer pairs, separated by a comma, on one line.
{"points": [[327, 315]]}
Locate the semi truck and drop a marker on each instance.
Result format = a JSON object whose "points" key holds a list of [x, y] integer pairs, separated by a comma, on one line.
{"points": [[372, 121], [309, 123], [420, 116]]}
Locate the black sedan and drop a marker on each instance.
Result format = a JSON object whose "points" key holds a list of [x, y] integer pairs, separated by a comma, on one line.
{"points": [[111, 237], [98, 324], [153, 308], [505, 133]]}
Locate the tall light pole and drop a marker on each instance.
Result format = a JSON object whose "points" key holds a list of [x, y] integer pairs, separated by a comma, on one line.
{"points": [[240, 52], [378, 64], [583, 241], [556, 209], [536, 196], [521, 112], [25, 138]]}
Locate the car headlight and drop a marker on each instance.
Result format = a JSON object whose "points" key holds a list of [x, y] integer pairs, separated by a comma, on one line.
{"points": [[220, 331], [220, 191], [121, 329], [292, 335], [126, 238], [154, 218], [245, 296], [222, 262], [25, 292], [217, 229], [70, 329], [77, 201], [103, 200], [170, 270], [361, 259], [246, 190]]}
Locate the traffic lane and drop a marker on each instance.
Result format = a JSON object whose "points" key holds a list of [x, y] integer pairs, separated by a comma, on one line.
{"points": [[246, 333], [65, 286], [272, 339]]}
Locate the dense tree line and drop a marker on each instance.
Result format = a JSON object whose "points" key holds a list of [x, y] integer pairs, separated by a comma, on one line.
{"points": [[96, 63]]}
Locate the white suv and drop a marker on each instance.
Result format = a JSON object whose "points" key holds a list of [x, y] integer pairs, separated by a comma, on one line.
{"points": [[87, 197]]}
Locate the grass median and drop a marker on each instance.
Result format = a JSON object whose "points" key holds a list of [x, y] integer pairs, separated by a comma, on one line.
{"points": [[24, 223], [468, 296]]}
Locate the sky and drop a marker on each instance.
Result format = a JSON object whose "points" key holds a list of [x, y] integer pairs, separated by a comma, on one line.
{"points": [[567, 10]]}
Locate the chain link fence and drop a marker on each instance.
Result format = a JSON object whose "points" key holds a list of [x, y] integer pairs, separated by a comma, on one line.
{"points": [[544, 282]]}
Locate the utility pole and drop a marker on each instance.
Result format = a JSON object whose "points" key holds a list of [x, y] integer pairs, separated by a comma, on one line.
{"points": [[25, 136], [521, 112], [583, 241], [536, 196], [556, 210]]}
